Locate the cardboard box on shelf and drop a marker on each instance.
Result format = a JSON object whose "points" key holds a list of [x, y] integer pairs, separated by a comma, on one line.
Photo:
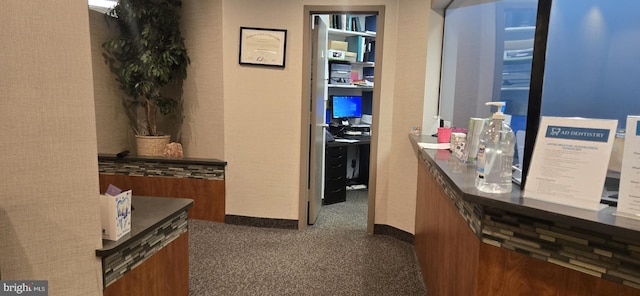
{"points": [[338, 45], [350, 56]]}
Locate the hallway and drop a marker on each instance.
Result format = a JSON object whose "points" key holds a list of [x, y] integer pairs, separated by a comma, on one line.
{"points": [[333, 257]]}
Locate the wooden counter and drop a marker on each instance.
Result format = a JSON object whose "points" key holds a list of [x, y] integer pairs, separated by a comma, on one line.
{"points": [[153, 259], [471, 243], [202, 180]]}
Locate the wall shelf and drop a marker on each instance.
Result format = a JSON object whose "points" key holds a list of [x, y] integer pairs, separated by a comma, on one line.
{"points": [[349, 86], [345, 33]]}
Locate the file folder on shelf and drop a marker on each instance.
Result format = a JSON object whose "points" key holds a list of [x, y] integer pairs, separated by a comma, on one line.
{"points": [[370, 23], [356, 44]]}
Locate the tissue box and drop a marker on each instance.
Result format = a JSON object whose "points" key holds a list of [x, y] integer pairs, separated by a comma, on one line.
{"points": [[115, 215]]}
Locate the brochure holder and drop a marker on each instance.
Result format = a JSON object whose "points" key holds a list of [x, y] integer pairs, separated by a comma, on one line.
{"points": [[115, 215]]}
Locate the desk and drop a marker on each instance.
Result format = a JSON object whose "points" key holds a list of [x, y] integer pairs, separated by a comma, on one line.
{"points": [[473, 243], [337, 162]]}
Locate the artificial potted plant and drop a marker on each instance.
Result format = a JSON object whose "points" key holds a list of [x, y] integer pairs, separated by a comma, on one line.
{"points": [[149, 60]]}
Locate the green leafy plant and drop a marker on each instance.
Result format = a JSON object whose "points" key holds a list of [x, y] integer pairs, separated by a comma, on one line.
{"points": [[147, 56]]}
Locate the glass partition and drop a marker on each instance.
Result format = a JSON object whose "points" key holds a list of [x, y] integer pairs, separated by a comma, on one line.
{"points": [[593, 60], [592, 68], [586, 65], [487, 56]]}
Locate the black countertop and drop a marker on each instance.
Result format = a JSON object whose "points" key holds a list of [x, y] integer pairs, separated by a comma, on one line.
{"points": [[183, 160], [147, 213], [462, 177]]}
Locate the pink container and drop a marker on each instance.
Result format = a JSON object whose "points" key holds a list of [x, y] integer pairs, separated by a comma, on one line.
{"points": [[444, 134]]}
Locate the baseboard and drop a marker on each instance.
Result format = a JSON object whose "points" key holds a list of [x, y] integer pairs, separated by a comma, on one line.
{"points": [[261, 222], [396, 233]]}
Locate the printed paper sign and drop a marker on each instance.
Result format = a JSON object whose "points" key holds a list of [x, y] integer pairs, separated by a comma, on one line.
{"points": [[629, 194], [570, 160]]}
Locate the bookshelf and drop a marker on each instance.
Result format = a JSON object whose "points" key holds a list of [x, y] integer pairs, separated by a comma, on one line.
{"points": [[360, 37], [348, 86], [345, 33], [343, 71]]}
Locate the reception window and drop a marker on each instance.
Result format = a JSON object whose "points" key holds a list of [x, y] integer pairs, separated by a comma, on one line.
{"points": [[592, 64], [583, 61], [487, 56]]}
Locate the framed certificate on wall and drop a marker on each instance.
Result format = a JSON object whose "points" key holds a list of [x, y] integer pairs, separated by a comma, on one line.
{"points": [[264, 47]]}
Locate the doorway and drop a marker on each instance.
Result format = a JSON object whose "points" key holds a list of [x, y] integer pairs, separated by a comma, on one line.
{"points": [[314, 123]]}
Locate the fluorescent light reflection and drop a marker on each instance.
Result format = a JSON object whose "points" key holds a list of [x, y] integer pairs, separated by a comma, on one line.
{"points": [[101, 5]]}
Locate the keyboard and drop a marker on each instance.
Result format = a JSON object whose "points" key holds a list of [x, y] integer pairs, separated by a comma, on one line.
{"points": [[353, 133], [362, 138]]}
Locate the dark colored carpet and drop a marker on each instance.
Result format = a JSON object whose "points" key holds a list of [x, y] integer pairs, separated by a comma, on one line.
{"points": [[333, 257]]}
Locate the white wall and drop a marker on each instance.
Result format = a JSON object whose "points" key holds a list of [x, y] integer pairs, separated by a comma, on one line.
{"points": [[49, 209]]}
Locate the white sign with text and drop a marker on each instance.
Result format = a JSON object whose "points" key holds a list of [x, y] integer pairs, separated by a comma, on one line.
{"points": [[570, 160], [629, 194]]}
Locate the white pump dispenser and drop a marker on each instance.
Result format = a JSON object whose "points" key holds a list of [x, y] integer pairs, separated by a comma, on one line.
{"points": [[498, 114], [495, 154]]}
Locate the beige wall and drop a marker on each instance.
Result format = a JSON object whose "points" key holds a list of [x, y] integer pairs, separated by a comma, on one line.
{"points": [[262, 119], [49, 218], [204, 98], [113, 131], [250, 116], [262, 114], [408, 98]]}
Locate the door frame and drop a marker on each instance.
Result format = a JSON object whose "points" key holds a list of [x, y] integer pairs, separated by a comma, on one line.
{"points": [[305, 166]]}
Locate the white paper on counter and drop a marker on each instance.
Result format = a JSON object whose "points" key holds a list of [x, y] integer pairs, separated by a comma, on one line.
{"points": [[570, 160], [629, 193]]}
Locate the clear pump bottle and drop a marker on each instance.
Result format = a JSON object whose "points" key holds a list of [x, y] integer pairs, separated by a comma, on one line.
{"points": [[495, 154]]}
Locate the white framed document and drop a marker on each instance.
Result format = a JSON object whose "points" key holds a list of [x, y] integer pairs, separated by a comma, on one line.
{"points": [[265, 47], [629, 192], [570, 160]]}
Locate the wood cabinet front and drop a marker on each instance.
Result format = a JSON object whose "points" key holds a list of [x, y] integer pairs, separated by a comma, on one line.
{"points": [[455, 262], [208, 195]]}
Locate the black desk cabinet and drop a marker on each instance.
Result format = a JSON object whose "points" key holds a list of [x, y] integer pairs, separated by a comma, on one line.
{"points": [[336, 165], [335, 175]]}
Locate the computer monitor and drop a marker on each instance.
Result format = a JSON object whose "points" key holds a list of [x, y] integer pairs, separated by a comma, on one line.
{"points": [[346, 106]]}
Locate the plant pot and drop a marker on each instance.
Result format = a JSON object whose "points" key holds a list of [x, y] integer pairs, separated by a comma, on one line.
{"points": [[151, 145]]}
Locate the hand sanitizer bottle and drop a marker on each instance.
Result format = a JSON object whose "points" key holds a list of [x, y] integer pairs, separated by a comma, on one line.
{"points": [[495, 154]]}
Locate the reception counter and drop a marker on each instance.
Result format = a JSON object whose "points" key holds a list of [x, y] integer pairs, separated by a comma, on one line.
{"points": [[202, 180], [473, 243], [153, 258]]}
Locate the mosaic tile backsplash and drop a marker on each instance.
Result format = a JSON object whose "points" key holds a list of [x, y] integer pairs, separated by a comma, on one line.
{"points": [[612, 258], [160, 169], [118, 264]]}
